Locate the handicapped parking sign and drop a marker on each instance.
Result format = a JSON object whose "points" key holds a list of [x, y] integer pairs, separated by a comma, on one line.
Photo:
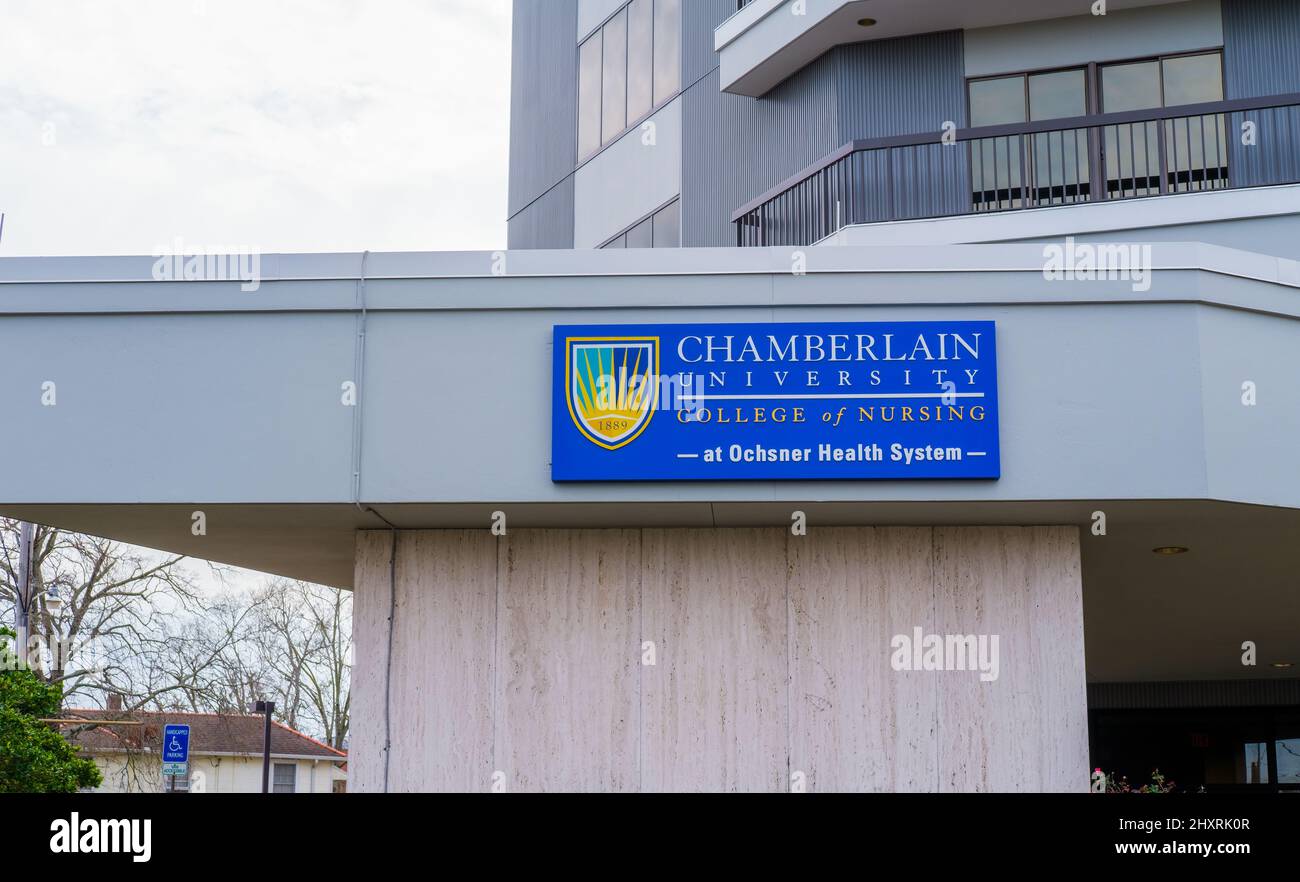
{"points": [[175, 748]]}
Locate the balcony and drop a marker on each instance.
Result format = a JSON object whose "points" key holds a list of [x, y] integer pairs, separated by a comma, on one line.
{"points": [[1088, 159], [765, 41]]}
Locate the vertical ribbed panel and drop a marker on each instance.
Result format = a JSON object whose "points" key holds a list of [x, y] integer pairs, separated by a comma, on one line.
{"points": [[703, 151], [702, 160], [1260, 58], [901, 86], [1260, 39], [699, 18], [736, 147], [546, 222], [906, 86], [543, 98]]}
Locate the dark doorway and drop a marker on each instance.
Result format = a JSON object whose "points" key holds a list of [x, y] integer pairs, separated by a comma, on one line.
{"points": [[1215, 750]]}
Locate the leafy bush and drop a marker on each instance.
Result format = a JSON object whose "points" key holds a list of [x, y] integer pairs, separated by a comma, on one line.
{"points": [[35, 758], [1158, 784]]}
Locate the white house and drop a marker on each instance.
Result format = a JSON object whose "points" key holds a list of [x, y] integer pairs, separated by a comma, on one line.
{"points": [[225, 753]]}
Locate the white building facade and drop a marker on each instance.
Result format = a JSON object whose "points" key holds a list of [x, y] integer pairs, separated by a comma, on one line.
{"points": [[555, 593]]}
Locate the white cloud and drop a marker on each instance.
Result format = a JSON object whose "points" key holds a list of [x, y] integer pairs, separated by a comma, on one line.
{"points": [[329, 125]]}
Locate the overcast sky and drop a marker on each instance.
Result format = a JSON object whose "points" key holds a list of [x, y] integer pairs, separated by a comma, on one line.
{"points": [[277, 125]]}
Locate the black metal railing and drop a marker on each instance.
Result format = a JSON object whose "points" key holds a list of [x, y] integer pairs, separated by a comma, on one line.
{"points": [[1246, 142]]}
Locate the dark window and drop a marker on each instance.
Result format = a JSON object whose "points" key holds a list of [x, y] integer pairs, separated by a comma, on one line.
{"points": [[1130, 86], [589, 97], [1132, 158], [614, 84], [663, 229], [1055, 167], [996, 162], [626, 69], [1288, 760], [668, 51], [668, 226], [997, 102], [1215, 750], [1059, 159], [640, 59], [1057, 95], [641, 236], [285, 778], [1193, 79], [1255, 763], [1015, 99], [1195, 147]]}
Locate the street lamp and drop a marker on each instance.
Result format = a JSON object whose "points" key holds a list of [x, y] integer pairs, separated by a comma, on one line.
{"points": [[266, 708], [53, 599], [59, 648]]}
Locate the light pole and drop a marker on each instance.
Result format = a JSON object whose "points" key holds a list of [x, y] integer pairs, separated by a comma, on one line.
{"points": [[266, 708], [23, 602]]}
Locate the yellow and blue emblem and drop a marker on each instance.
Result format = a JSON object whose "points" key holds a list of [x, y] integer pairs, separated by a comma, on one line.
{"points": [[612, 387]]}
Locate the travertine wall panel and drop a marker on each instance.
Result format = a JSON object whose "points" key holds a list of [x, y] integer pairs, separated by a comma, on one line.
{"points": [[719, 660]]}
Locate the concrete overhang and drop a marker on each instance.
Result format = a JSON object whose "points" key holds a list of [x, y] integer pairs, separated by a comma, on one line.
{"points": [[766, 41], [176, 397]]}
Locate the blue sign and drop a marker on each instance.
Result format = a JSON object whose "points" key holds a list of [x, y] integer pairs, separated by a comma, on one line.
{"points": [[175, 748], [823, 401]]}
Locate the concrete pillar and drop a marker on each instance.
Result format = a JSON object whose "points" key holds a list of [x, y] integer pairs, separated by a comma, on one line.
{"points": [[524, 663]]}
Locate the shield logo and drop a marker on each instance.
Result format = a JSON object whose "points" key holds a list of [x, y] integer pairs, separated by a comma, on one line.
{"points": [[611, 385]]}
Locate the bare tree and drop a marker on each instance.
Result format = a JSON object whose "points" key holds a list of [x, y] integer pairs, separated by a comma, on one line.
{"points": [[286, 641], [304, 633], [118, 619], [96, 604], [206, 662]]}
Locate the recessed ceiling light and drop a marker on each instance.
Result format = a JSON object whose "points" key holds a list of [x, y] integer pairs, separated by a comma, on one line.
{"points": [[1282, 664], [866, 22], [1170, 549]]}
